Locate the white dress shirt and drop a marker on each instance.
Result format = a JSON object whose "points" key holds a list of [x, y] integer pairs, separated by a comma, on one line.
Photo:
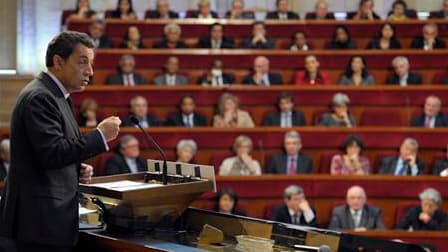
{"points": [[286, 119], [128, 80], [132, 164], [170, 79], [308, 215], [188, 120], [398, 168], [404, 80], [356, 215]]}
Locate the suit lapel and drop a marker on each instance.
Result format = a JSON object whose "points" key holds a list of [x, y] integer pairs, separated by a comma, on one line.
{"points": [[283, 163], [349, 218]]}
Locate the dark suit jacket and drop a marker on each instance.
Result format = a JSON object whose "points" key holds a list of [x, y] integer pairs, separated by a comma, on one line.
{"points": [[413, 79], [278, 163], [281, 214], [245, 15], [273, 119], [439, 221], [154, 14], [389, 164], [2, 171], [117, 79], [312, 15], [176, 120], [439, 166], [351, 15], [275, 15], [153, 121], [40, 201], [105, 42], [340, 46], [226, 43], [269, 44], [441, 121], [375, 44], [437, 14], [274, 79], [419, 43], [164, 44], [371, 219], [196, 14], [226, 78], [117, 165]]}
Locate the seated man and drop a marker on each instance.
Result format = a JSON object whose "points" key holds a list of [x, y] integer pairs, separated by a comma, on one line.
{"points": [[443, 13], [365, 11], [320, 11], [139, 109], [216, 77], [432, 116], [261, 75], [285, 116], [312, 75], [290, 161], [204, 10], [162, 11], [430, 39], [282, 11], [216, 39], [296, 209], [171, 40], [406, 163], [237, 11], [96, 33], [126, 159], [258, 40], [356, 214], [4, 158], [186, 117], [401, 75], [126, 76], [171, 76], [440, 167]]}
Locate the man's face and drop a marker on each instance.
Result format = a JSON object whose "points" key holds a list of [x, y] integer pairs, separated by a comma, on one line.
{"points": [[127, 66], [173, 36], [140, 108], [285, 105], [96, 30], [172, 65], [131, 149], [292, 146], [204, 9], [401, 68], [356, 198], [367, 6], [163, 7], [133, 33], [185, 155], [293, 203], [258, 30], [429, 33], [321, 10], [282, 6], [238, 7], [187, 106], [432, 106], [407, 150], [217, 32], [261, 66]]}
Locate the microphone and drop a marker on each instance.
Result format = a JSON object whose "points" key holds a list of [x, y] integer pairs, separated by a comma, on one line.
{"points": [[149, 138], [322, 248]]}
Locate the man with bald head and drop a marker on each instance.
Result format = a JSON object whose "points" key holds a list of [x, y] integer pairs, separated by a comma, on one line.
{"points": [[261, 75], [356, 214], [432, 116]]}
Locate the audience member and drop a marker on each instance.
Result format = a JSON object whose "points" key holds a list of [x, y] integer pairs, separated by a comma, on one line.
{"points": [[261, 75], [126, 75], [124, 10], [386, 39], [352, 162], [356, 214], [290, 161], [229, 115], [82, 10], [186, 116], [285, 116], [356, 73], [282, 12], [226, 201], [171, 75], [398, 12], [364, 12], [312, 75], [427, 216], [259, 39], [406, 163], [139, 108], [340, 115], [432, 116], [5, 158], [442, 13], [237, 11], [299, 42], [171, 40], [440, 167], [341, 39], [204, 10], [320, 11], [296, 209], [186, 150], [430, 38], [216, 39], [132, 39], [126, 158], [96, 33], [88, 113], [242, 163], [401, 75], [162, 11], [216, 76]]}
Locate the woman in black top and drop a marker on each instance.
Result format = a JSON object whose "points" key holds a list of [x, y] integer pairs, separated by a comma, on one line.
{"points": [[341, 39], [227, 202], [124, 10], [386, 39]]}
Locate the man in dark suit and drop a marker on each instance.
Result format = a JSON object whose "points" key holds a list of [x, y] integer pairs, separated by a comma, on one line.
{"points": [[356, 214], [237, 11], [401, 75], [259, 39], [285, 116], [429, 39], [442, 14], [39, 205], [291, 161], [139, 108], [296, 209], [440, 167], [406, 163], [172, 39], [96, 33], [365, 11], [261, 75], [162, 11], [126, 76], [171, 75], [126, 158], [186, 117], [282, 12], [432, 117], [216, 76], [204, 10], [320, 11], [4, 158], [216, 39]]}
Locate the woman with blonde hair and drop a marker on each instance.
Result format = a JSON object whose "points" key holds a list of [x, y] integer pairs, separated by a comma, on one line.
{"points": [[242, 163], [229, 115]]}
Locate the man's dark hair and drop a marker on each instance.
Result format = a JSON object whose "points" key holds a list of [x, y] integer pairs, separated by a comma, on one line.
{"points": [[64, 44], [216, 24], [185, 96], [97, 21], [284, 96], [258, 23], [352, 139]]}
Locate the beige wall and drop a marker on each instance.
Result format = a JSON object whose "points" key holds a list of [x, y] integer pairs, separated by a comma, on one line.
{"points": [[8, 31]]}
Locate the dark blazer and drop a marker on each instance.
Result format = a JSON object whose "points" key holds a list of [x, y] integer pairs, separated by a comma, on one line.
{"points": [[375, 44], [275, 15], [278, 163], [441, 121], [164, 44], [437, 14], [273, 119], [274, 79], [312, 15], [419, 43], [439, 221], [105, 42], [244, 15], [351, 15], [176, 120], [117, 165], [371, 219], [117, 79], [439, 166], [339, 46], [154, 14], [40, 201], [124, 44], [226, 78], [195, 14], [281, 214], [413, 79], [226, 43], [153, 121], [269, 44], [2, 171], [389, 164]]}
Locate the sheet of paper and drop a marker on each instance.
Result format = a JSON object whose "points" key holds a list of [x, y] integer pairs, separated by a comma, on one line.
{"points": [[84, 211], [126, 185]]}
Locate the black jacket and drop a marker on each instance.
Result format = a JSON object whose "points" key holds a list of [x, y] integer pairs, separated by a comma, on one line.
{"points": [[2, 171], [275, 15], [312, 15], [117, 79], [105, 42], [419, 43], [438, 221], [177, 120], [154, 14], [389, 164], [117, 165], [281, 214], [195, 14], [413, 79], [375, 44], [153, 121], [226, 43], [164, 44], [278, 164], [351, 15], [269, 44], [439, 166], [274, 79], [226, 78], [441, 121], [273, 119]]}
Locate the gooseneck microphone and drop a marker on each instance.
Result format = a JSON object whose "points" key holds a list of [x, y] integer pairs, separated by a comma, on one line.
{"points": [[149, 138]]}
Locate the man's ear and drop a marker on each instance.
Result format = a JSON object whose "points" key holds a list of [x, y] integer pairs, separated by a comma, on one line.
{"points": [[58, 62]]}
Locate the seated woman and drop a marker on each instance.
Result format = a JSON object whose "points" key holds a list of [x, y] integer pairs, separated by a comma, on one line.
{"points": [[427, 216], [356, 73], [351, 162], [132, 39], [341, 39], [312, 74], [172, 33], [386, 39], [185, 150], [124, 10], [82, 11], [340, 115], [398, 11], [299, 42], [242, 163], [229, 115], [226, 201], [88, 113]]}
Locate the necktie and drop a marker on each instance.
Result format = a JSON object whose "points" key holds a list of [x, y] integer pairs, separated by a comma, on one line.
{"points": [[128, 80], [428, 122], [295, 219], [292, 166], [188, 123], [356, 218], [404, 169]]}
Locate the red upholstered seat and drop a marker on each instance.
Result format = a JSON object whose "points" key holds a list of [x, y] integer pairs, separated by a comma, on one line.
{"points": [[403, 208], [325, 161], [217, 158], [101, 165], [381, 117], [269, 209]]}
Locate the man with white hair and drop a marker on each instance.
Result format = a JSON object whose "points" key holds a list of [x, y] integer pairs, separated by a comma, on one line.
{"points": [[4, 158], [204, 10], [432, 116], [320, 11], [126, 158], [261, 75], [162, 11], [126, 75], [443, 13], [172, 37], [429, 39], [401, 75], [282, 12], [406, 163], [237, 11]]}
